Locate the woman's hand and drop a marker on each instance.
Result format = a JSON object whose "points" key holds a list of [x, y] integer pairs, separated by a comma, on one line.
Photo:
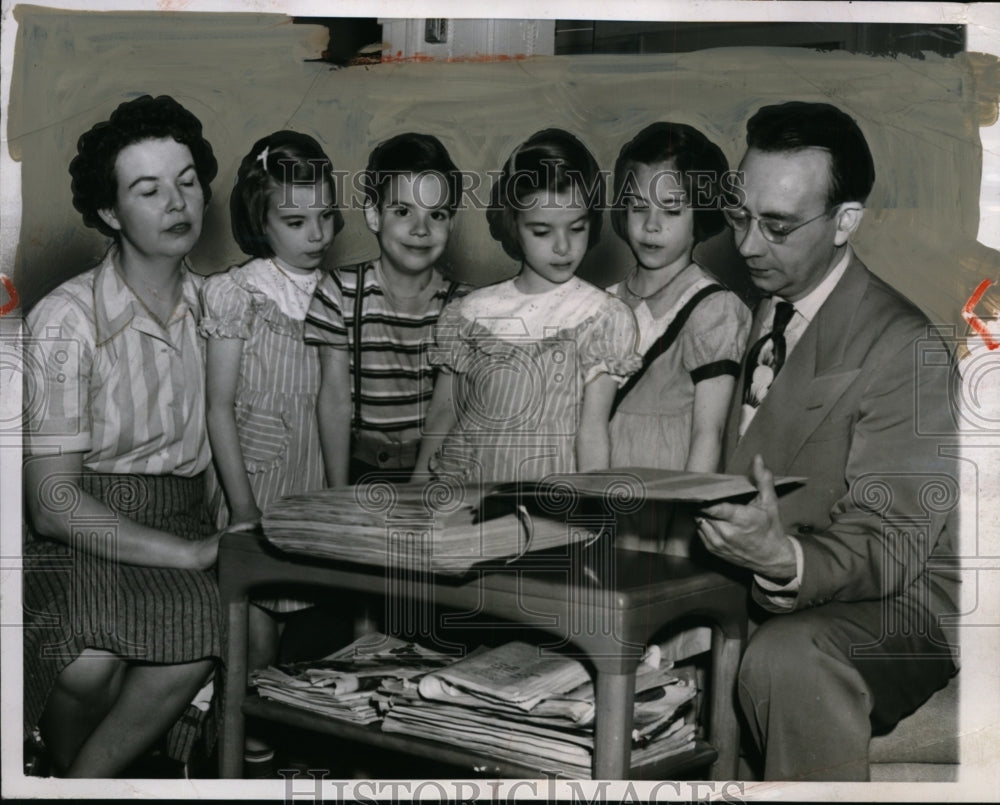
{"points": [[204, 553], [133, 543], [246, 516]]}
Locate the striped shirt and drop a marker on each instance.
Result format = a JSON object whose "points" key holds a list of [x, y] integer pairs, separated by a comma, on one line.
{"points": [[396, 378], [104, 378]]}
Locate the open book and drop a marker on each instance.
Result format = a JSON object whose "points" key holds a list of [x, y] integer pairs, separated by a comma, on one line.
{"points": [[426, 528], [447, 527], [626, 486]]}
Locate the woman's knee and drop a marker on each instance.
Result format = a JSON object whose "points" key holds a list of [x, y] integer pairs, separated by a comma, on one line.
{"points": [[197, 672], [92, 677], [168, 683]]}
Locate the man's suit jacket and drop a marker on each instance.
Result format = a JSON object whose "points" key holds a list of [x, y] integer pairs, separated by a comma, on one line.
{"points": [[848, 411]]}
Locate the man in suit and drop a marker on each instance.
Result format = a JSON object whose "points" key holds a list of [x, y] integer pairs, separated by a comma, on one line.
{"points": [[844, 567]]}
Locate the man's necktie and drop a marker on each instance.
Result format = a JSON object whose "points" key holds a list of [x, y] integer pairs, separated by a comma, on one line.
{"points": [[766, 357]]}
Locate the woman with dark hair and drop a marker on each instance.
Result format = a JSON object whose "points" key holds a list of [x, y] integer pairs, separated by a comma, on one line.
{"points": [[121, 615]]}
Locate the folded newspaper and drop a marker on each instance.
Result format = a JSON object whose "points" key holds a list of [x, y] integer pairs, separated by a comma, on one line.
{"points": [[341, 684], [515, 672], [523, 705], [565, 750], [514, 702]]}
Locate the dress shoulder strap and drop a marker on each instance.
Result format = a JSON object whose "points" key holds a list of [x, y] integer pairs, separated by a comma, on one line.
{"points": [[665, 341]]}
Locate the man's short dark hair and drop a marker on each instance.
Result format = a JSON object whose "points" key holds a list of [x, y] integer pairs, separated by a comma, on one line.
{"points": [[798, 124]]}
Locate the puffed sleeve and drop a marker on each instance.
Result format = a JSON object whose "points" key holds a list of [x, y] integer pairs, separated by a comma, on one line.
{"points": [[324, 323], [58, 357], [715, 337], [451, 338], [225, 308], [609, 344]]}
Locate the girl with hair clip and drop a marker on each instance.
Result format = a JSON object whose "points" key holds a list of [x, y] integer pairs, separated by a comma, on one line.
{"points": [[692, 331], [263, 379], [529, 366]]}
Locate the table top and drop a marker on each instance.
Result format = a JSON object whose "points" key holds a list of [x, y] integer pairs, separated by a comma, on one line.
{"points": [[599, 566], [599, 596]]}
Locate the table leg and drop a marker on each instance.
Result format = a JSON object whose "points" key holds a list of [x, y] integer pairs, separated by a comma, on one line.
{"points": [[613, 725], [724, 729], [231, 733]]}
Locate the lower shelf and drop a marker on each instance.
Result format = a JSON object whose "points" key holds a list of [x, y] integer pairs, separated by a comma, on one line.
{"points": [[478, 765]]}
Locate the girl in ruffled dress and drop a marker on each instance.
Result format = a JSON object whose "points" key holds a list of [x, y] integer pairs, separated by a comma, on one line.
{"points": [[529, 367], [262, 378]]}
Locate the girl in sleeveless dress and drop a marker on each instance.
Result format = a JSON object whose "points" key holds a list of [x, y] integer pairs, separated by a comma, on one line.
{"points": [[672, 413]]}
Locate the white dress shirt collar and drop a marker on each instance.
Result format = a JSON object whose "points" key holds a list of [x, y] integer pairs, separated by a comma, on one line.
{"points": [[809, 305]]}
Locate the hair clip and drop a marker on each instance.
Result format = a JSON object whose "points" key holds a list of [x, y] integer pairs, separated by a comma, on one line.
{"points": [[262, 157]]}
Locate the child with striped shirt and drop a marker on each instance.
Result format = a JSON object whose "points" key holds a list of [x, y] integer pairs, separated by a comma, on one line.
{"points": [[380, 314]]}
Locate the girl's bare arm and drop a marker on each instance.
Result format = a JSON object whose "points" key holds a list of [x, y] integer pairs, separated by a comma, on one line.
{"points": [[333, 411], [441, 418], [593, 443], [222, 375]]}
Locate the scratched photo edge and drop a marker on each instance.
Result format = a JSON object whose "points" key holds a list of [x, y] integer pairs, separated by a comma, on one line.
{"points": [[10, 457]]}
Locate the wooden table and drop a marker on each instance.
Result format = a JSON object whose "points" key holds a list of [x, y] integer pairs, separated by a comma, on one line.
{"points": [[601, 603]]}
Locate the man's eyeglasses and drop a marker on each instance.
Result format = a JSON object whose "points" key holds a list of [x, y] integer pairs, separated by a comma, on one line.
{"points": [[773, 231]]}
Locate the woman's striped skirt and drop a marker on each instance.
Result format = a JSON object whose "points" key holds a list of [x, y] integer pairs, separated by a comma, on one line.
{"points": [[74, 600]]}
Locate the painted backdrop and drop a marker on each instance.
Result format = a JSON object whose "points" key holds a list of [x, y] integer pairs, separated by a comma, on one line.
{"points": [[245, 75]]}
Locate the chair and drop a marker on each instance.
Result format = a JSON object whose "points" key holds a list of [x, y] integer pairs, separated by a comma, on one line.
{"points": [[923, 747]]}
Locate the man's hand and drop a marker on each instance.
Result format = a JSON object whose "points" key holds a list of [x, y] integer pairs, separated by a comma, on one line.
{"points": [[750, 535]]}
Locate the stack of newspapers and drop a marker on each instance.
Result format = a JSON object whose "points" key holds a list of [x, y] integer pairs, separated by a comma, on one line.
{"points": [[521, 704], [341, 685], [517, 703]]}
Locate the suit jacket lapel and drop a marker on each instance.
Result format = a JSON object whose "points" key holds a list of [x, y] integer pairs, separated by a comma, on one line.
{"points": [[811, 381]]}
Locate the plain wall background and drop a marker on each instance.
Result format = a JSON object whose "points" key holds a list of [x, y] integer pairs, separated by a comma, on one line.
{"points": [[245, 75]]}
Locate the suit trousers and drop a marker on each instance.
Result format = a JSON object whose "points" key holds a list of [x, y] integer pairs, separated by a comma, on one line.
{"points": [[814, 683]]}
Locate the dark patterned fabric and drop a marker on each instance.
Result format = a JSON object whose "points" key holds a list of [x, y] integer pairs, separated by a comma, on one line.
{"points": [[74, 600]]}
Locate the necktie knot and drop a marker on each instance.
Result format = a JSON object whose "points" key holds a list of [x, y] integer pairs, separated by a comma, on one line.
{"points": [[764, 361], [782, 316]]}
